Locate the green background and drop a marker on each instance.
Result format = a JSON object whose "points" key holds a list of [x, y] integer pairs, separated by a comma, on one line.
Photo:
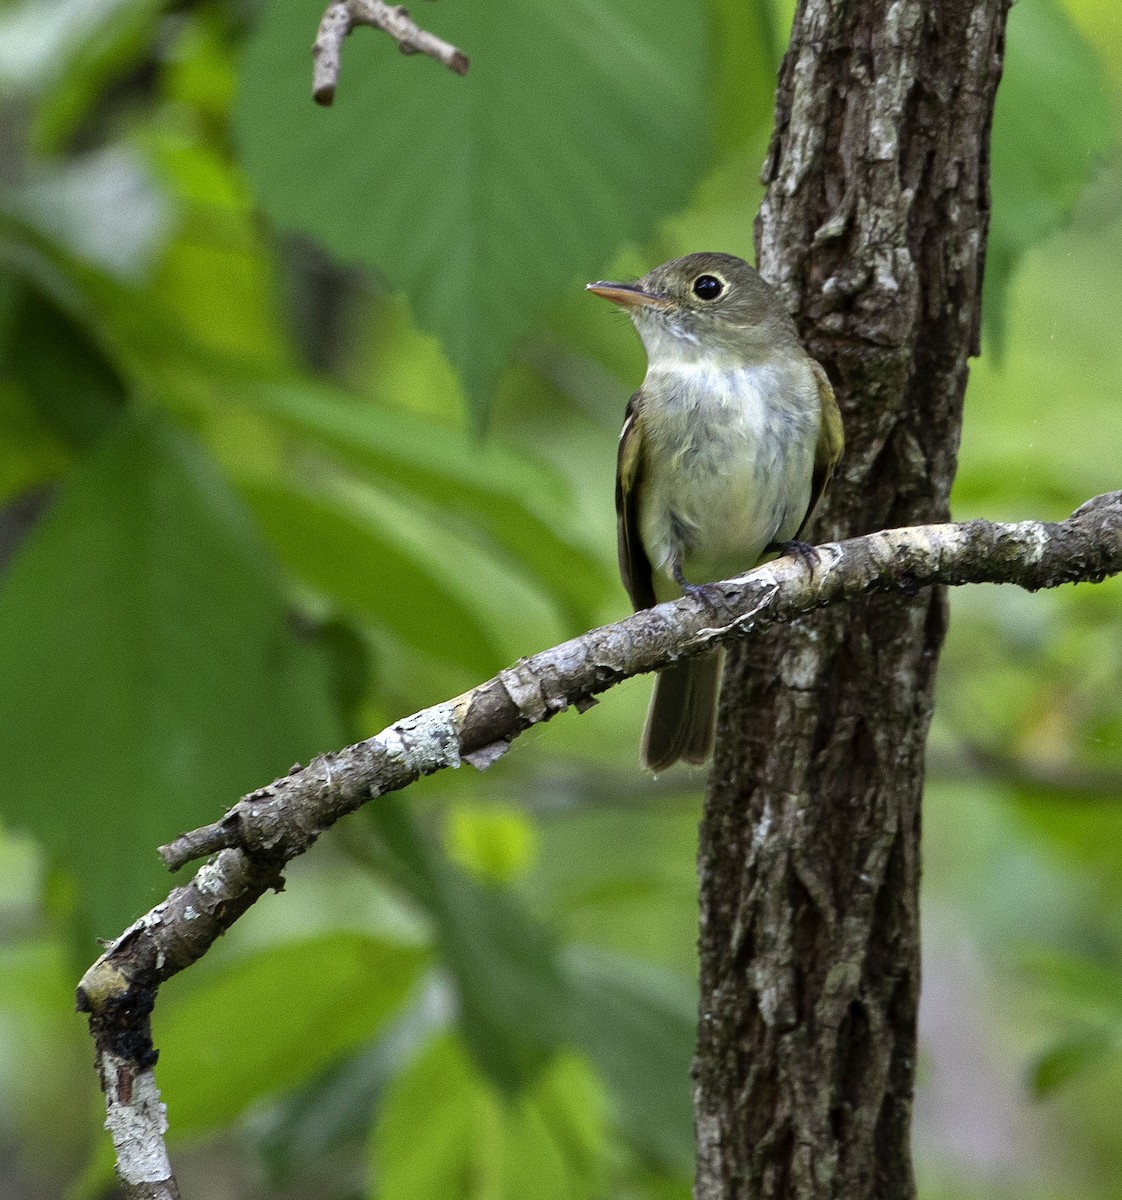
{"points": [[306, 423]]}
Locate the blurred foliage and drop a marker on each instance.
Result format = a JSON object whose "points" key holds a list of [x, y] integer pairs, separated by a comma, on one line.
{"points": [[1053, 82], [248, 350], [531, 175]]}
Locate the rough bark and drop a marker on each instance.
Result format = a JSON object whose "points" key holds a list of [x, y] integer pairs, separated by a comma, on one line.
{"points": [[874, 227]]}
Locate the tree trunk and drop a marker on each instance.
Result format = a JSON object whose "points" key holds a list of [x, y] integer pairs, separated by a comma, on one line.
{"points": [[874, 227]]}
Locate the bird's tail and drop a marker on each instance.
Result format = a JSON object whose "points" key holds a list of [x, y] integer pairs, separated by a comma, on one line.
{"points": [[683, 713]]}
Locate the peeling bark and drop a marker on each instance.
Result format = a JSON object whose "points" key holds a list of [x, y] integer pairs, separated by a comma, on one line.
{"points": [[874, 228]]}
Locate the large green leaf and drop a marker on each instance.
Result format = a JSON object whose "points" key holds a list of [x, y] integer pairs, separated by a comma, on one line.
{"points": [[746, 50], [514, 1000], [268, 1022], [148, 672], [445, 1131], [356, 558], [74, 389], [336, 1107], [638, 1025], [521, 1003], [518, 506], [483, 197], [1052, 123]]}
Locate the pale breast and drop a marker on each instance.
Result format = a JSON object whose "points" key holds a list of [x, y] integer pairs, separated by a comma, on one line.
{"points": [[729, 459]]}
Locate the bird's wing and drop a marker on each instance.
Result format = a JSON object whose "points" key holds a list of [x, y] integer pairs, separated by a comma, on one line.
{"points": [[831, 441], [634, 565]]}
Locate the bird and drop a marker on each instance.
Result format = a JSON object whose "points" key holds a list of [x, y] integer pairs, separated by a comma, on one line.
{"points": [[725, 452]]}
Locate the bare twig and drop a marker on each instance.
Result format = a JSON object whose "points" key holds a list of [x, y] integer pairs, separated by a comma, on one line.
{"points": [[267, 828], [341, 16]]}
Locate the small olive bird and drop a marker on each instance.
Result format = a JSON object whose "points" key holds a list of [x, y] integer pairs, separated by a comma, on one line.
{"points": [[725, 451]]}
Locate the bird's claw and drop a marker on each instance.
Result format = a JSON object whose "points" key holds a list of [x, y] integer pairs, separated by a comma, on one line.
{"points": [[803, 551], [708, 593]]}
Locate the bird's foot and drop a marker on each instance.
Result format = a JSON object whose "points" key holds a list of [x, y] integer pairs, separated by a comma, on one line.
{"points": [[803, 551], [708, 593]]}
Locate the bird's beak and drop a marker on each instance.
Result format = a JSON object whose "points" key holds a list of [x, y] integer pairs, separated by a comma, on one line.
{"points": [[629, 295]]}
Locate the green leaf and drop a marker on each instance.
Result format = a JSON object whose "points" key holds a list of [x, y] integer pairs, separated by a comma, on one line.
{"points": [[517, 505], [216, 286], [1091, 989], [1052, 123], [52, 1111], [76, 391], [1072, 1056], [642, 904], [270, 1021], [495, 843], [638, 1025], [747, 67], [148, 673], [444, 1131], [578, 126], [336, 1107], [364, 567], [514, 998], [521, 1003], [91, 43]]}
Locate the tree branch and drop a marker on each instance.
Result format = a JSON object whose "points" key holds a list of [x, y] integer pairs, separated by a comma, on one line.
{"points": [[272, 825], [341, 16]]}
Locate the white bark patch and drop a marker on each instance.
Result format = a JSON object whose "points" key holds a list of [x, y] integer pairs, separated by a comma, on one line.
{"points": [[211, 880], [426, 741], [137, 1122], [768, 997], [709, 1143], [800, 669], [762, 827], [1033, 538]]}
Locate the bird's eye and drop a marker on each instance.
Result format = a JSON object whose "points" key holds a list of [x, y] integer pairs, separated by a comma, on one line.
{"points": [[707, 287]]}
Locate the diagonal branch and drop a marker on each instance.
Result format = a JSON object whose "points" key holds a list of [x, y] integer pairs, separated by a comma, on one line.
{"points": [[268, 827], [341, 16]]}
